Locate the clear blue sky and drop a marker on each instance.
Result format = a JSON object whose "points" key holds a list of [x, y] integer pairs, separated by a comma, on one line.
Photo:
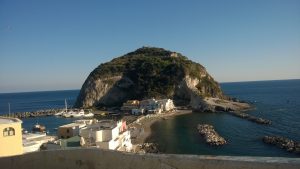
{"points": [[55, 44]]}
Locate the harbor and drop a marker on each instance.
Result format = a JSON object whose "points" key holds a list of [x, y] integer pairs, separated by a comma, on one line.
{"points": [[105, 130], [178, 129]]}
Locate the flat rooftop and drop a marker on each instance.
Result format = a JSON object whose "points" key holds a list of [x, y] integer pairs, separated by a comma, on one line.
{"points": [[8, 120], [103, 125], [73, 125], [33, 135]]}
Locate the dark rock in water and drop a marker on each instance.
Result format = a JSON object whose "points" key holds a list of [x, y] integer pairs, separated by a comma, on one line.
{"points": [[282, 142], [210, 135], [297, 147]]}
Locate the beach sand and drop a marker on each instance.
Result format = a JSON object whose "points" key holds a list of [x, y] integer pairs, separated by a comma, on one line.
{"points": [[141, 128]]}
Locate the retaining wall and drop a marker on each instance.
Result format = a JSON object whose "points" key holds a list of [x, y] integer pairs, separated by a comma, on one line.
{"points": [[93, 158]]}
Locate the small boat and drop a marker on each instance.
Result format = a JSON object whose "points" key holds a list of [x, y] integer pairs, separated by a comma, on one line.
{"points": [[75, 114], [89, 115], [61, 113], [38, 128], [67, 114]]}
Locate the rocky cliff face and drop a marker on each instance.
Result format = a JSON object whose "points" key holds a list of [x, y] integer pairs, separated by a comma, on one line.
{"points": [[146, 73]]}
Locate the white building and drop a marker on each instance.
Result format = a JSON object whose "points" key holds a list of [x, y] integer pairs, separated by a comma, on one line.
{"points": [[157, 106], [167, 104], [151, 106], [137, 111], [106, 134]]}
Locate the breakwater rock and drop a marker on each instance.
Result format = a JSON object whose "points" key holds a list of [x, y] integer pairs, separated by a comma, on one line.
{"points": [[39, 113], [149, 148], [210, 135], [282, 142], [250, 117]]}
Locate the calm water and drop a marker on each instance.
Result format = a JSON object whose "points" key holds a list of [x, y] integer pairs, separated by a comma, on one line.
{"points": [[275, 100], [278, 101], [34, 101]]}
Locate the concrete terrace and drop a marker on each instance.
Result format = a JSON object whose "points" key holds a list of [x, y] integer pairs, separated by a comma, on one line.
{"points": [[93, 158]]}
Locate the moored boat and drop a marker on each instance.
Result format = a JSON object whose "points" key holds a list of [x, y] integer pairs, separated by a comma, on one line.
{"points": [[89, 115], [61, 113], [74, 113], [38, 128]]}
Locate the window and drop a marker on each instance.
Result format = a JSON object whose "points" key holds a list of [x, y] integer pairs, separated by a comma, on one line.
{"points": [[68, 131], [9, 131]]}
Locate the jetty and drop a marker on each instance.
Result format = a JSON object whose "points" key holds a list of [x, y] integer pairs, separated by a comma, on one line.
{"points": [[250, 117], [210, 135], [39, 113], [284, 143]]}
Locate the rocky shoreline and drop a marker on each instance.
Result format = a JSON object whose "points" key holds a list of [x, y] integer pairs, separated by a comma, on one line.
{"points": [[232, 106], [210, 135], [284, 143]]}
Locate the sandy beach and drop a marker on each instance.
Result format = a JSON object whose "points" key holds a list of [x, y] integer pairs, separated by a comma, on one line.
{"points": [[141, 128]]}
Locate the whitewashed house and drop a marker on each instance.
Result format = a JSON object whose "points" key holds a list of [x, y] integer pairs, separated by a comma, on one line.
{"points": [[106, 134], [151, 106], [167, 104]]}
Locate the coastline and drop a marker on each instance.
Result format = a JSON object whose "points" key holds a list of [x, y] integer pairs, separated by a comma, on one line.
{"points": [[141, 128]]}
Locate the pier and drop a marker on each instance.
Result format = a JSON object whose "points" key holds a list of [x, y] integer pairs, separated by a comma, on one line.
{"points": [[250, 117]]}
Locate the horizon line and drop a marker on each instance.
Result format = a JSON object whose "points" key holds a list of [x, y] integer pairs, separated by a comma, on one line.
{"points": [[259, 80], [57, 90]]}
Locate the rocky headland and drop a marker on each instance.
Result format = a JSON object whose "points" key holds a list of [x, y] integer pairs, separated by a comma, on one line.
{"points": [[154, 72], [210, 135]]}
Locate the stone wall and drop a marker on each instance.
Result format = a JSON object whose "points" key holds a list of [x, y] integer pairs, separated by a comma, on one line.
{"points": [[105, 159]]}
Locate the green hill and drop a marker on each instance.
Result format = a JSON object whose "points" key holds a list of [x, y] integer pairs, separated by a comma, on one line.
{"points": [[145, 73]]}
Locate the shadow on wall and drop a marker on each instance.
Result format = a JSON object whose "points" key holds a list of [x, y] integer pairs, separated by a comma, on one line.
{"points": [[93, 158]]}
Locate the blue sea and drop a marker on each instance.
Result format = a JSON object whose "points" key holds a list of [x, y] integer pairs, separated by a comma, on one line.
{"points": [[35, 101], [278, 101]]}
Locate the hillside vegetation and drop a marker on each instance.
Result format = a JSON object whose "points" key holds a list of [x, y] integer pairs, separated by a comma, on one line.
{"points": [[145, 73]]}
